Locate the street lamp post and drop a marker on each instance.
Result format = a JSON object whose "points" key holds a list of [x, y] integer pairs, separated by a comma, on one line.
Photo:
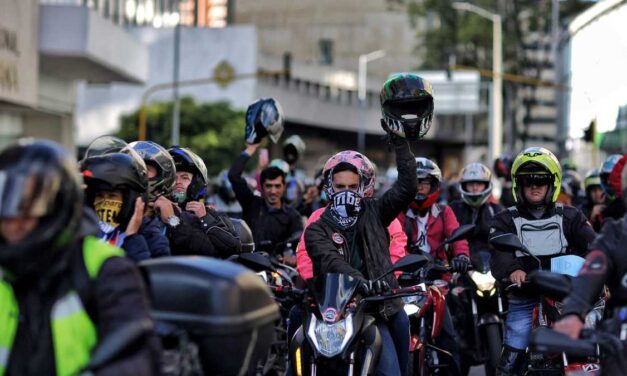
{"points": [[496, 135], [361, 94]]}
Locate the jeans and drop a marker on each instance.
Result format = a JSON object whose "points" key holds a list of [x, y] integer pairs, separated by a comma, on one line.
{"points": [[448, 340], [519, 321], [394, 355]]}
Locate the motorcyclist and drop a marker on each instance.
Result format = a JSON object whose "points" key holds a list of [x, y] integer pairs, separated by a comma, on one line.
{"points": [[117, 185], [547, 229], [398, 239], [161, 179], [474, 206], [192, 227], [351, 237], [502, 170], [606, 264], [595, 198], [614, 208], [62, 291], [427, 224], [570, 190]]}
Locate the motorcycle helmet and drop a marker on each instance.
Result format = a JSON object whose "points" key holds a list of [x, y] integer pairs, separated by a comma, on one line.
{"points": [[281, 165], [604, 175], [532, 162], [39, 179], [475, 172], [571, 183], [156, 155], [188, 161], [293, 148], [264, 117], [119, 171], [568, 165], [244, 234], [407, 106], [592, 179], [503, 167], [427, 169], [362, 165]]}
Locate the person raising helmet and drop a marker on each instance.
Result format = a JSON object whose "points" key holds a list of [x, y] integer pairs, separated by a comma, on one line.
{"points": [[62, 291], [547, 229], [192, 227]]}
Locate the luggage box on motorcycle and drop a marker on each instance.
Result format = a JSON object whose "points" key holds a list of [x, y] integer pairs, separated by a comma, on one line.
{"points": [[223, 307]]}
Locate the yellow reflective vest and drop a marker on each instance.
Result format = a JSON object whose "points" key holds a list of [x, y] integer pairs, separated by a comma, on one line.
{"points": [[74, 335]]}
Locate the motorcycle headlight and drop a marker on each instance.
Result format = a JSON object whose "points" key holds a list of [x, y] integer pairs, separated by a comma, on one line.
{"points": [[483, 281], [330, 338]]}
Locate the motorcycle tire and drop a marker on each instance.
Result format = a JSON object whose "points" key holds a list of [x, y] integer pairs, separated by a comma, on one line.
{"points": [[494, 343]]}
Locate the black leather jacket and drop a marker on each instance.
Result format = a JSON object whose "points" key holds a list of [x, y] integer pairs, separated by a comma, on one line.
{"points": [[376, 216]]}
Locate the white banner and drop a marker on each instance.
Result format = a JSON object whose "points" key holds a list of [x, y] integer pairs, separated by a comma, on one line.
{"points": [[18, 51]]}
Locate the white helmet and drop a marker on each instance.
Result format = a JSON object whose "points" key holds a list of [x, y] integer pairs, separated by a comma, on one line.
{"points": [[475, 172]]}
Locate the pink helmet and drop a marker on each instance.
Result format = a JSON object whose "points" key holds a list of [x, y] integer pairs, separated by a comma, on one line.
{"points": [[364, 167]]}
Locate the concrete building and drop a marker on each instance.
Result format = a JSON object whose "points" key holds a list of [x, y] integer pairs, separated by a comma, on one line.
{"points": [[594, 53], [45, 50], [99, 107], [320, 42]]}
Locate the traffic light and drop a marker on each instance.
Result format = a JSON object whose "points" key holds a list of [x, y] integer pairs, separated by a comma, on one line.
{"points": [[588, 133]]}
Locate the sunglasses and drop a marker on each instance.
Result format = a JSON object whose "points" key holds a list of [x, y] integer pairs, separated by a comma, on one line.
{"points": [[535, 179]]}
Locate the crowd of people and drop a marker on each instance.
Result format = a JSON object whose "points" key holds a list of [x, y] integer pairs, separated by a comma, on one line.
{"points": [[70, 235]]}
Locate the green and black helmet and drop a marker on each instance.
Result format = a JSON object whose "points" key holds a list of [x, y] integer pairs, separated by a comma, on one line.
{"points": [[407, 106], [536, 164]]}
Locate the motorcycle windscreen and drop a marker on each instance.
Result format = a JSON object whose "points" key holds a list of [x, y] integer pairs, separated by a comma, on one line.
{"points": [[332, 292], [481, 260]]}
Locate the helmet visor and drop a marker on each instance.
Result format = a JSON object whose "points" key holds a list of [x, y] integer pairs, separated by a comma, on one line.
{"points": [[535, 179], [28, 193]]}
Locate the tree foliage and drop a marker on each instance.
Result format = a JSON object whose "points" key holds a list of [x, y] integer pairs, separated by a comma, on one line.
{"points": [[466, 38], [214, 131]]}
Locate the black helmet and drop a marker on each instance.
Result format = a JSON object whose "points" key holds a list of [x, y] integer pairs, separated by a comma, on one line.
{"points": [[244, 234], [407, 106], [125, 172], [188, 161], [293, 148], [155, 155], [39, 179], [264, 117]]}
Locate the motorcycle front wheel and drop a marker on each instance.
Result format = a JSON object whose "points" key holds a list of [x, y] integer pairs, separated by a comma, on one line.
{"points": [[494, 342]]}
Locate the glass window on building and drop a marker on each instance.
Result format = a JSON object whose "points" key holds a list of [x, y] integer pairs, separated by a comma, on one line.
{"points": [[326, 52]]}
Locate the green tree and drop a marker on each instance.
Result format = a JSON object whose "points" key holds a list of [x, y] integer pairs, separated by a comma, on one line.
{"points": [[214, 131]]}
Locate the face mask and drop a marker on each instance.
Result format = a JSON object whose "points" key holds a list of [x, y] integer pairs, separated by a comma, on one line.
{"points": [[179, 197], [345, 207], [108, 210]]}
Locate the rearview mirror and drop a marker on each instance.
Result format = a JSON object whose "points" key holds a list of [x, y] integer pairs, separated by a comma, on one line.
{"points": [[508, 242], [555, 285], [462, 232], [255, 262], [409, 263]]}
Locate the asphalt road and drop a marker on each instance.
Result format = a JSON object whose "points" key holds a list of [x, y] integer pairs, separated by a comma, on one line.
{"points": [[476, 371]]}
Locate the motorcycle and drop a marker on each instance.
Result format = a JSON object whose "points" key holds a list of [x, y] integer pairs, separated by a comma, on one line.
{"points": [[481, 331], [426, 311], [552, 288], [339, 335]]}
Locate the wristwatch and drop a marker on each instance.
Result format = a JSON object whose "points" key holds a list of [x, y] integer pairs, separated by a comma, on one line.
{"points": [[173, 221]]}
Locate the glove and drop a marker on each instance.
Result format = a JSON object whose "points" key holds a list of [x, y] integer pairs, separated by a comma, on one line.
{"points": [[460, 263], [369, 287]]}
